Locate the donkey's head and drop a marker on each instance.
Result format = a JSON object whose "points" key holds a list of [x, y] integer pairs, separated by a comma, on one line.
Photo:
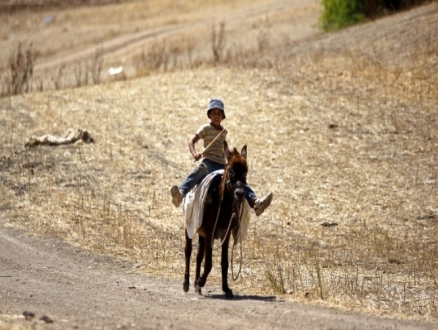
{"points": [[235, 173]]}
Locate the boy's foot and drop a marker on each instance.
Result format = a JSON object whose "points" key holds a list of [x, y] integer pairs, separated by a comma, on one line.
{"points": [[177, 197], [261, 204]]}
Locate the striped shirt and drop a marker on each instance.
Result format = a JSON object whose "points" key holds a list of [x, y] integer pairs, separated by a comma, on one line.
{"points": [[208, 133]]}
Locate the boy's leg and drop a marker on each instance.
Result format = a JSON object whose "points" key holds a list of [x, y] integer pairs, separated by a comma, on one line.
{"points": [[213, 166], [259, 205], [196, 176], [250, 195], [262, 204], [177, 196]]}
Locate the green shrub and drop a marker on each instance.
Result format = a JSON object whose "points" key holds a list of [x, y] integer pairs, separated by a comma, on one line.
{"points": [[341, 13]]}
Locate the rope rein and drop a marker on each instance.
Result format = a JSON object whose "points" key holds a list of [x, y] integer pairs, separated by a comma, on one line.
{"points": [[239, 239], [214, 228]]}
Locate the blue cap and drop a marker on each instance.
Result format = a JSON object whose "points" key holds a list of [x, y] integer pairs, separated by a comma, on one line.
{"points": [[216, 104]]}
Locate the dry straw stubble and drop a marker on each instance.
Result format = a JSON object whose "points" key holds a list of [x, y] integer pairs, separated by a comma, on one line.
{"points": [[347, 144]]}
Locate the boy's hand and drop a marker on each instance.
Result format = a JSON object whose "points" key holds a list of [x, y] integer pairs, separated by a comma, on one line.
{"points": [[197, 156]]}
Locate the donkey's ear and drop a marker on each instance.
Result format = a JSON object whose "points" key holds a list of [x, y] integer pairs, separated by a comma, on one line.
{"points": [[244, 151], [227, 150]]}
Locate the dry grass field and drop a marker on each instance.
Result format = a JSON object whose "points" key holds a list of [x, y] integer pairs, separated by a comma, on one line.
{"points": [[76, 46], [342, 128]]}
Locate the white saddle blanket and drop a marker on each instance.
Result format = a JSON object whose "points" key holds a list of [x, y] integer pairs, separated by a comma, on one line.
{"points": [[193, 206]]}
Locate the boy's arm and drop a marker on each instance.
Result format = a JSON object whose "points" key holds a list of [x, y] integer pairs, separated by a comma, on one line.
{"points": [[197, 156]]}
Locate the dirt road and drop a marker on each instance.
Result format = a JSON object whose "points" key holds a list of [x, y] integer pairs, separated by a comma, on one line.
{"points": [[80, 290]]}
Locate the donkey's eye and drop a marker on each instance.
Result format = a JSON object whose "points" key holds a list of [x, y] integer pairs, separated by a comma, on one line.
{"points": [[231, 173]]}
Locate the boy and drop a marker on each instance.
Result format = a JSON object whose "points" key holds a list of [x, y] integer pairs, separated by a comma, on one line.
{"points": [[214, 159]]}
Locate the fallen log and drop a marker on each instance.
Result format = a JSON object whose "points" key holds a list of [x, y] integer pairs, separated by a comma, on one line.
{"points": [[71, 136]]}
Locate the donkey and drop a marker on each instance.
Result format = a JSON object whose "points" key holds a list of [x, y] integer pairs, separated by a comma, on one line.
{"points": [[221, 217]]}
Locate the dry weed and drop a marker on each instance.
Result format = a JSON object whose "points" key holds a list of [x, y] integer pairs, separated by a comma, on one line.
{"points": [[20, 65]]}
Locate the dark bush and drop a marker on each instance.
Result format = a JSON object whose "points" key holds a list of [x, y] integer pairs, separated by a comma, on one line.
{"points": [[392, 4], [341, 13]]}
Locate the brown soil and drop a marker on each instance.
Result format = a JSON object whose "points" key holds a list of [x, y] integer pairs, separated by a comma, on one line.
{"points": [[77, 289]]}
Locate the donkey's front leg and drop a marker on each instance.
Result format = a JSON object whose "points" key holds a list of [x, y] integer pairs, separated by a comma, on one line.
{"points": [[224, 268], [207, 263], [188, 253]]}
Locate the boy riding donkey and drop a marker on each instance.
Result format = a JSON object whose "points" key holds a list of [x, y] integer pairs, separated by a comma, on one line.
{"points": [[214, 135]]}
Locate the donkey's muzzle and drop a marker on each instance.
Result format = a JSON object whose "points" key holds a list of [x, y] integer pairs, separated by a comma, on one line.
{"points": [[239, 191]]}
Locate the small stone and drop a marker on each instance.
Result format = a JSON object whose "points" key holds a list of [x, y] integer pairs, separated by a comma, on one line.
{"points": [[46, 319], [28, 315]]}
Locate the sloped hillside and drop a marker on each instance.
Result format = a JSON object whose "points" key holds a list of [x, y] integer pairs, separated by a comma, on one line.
{"points": [[342, 128], [77, 46]]}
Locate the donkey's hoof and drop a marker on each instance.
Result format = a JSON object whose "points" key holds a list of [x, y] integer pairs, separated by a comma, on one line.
{"points": [[198, 289], [229, 294], [186, 286], [200, 282]]}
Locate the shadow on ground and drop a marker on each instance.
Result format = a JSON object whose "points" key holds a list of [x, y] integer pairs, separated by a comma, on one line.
{"points": [[245, 297]]}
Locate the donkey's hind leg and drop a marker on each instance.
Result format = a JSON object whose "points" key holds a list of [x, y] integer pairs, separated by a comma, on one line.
{"points": [[199, 258], [188, 253]]}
